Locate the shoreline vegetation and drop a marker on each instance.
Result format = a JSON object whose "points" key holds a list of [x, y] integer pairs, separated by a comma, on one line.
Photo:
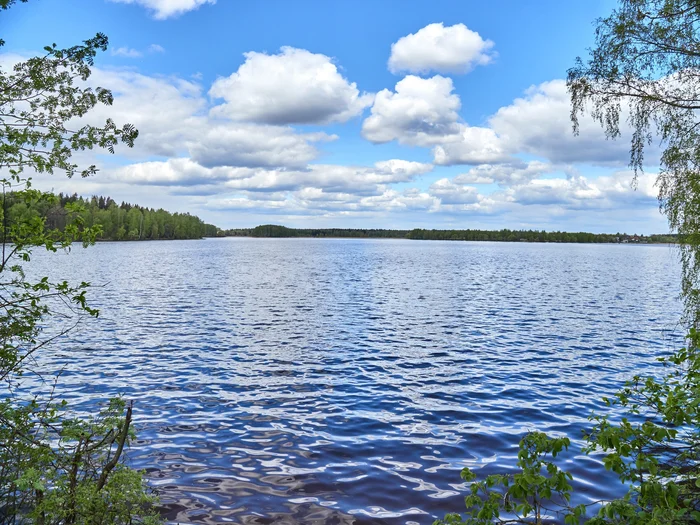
{"points": [[131, 222], [276, 231], [114, 222]]}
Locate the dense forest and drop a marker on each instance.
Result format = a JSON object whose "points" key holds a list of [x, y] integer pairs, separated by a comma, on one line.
{"points": [[118, 222], [272, 230]]}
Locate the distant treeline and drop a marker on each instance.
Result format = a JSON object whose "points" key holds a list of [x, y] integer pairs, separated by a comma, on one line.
{"points": [[119, 222], [272, 230], [130, 222], [537, 236]]}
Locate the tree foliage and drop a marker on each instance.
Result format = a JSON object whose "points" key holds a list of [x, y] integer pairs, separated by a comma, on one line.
{"points": [[539, 490], [40, 100], [5, 4], [55, 467], [111, 221], [654, 449], [645, 70], [506, 235]]}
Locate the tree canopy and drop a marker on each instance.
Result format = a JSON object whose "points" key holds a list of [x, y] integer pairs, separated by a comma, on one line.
{"points": [[41, 99], [112, 221], [644, 71]]}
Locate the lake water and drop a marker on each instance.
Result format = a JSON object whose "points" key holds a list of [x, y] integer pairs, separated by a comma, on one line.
{"points": [[349, 381]]}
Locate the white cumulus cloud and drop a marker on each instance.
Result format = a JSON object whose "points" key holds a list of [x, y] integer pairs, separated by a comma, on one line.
{"points": [[173, 172], [538, 123], [326, 178], [292, 87], [171, 115], [403, 167], [473, 145], [450, 193], [410, 199], [451, 49], [505, 174], [577, 192], [420, 112], [359, 180], [254, 145]]}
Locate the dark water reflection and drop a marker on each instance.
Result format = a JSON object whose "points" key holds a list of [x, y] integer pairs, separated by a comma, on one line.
{"points": [[348, 381]]}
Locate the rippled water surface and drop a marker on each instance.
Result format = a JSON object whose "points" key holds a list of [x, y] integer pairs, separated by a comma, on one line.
{"points": [[348, 381]]}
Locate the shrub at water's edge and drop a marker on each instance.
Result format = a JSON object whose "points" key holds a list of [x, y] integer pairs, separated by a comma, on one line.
{"points": [[655, 451], [55, 467]]}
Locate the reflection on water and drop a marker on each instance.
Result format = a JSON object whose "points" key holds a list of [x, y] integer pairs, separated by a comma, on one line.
{"points": [[348, 381]]}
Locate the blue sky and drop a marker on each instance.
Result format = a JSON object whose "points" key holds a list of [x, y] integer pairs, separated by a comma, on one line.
{"points": [[389, 114]]}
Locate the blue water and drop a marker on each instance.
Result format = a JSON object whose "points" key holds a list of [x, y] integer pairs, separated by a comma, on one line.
{"points": [[349, 381]]}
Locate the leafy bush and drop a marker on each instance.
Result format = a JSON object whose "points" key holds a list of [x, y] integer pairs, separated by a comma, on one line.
{"points": [[538, 490], [54, 468], [655, 451]]}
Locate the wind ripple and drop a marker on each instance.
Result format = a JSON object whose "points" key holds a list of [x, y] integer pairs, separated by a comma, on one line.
{"points": [[348, 381]]}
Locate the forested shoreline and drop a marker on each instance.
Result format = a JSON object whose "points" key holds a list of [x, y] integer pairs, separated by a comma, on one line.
{"points": [[505, 235], [117, 222], [132, 222]]}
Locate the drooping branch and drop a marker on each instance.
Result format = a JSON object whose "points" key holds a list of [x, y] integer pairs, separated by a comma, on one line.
{"points": [[645, 65]]}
